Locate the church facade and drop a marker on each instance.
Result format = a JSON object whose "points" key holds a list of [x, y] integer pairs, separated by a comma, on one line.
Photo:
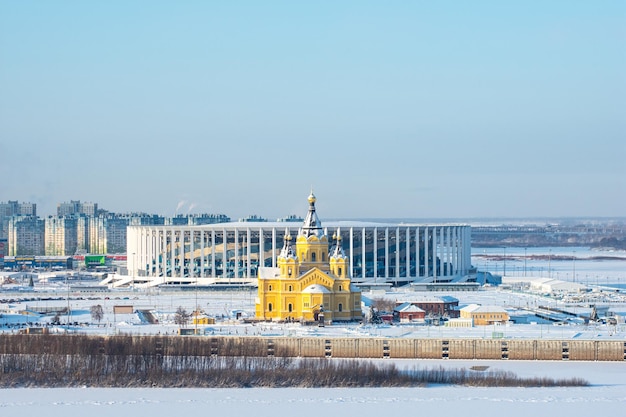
{"points": [[310, 282]]}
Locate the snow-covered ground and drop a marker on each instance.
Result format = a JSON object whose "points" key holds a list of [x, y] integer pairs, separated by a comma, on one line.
{"points": [[606, 396], [225, 305]]}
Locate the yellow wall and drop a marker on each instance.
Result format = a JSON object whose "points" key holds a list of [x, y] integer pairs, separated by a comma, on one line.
{"points": [[290, 295], [485, 318], [281, 292]]}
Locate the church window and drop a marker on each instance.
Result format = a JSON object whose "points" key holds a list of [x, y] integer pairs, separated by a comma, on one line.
{"points": [[313, 257], [269, 288], [269, 307], [290, 307], [290, 288], [340, 307], [289, 271], [323, 257], [340, 288], [339, 271]]}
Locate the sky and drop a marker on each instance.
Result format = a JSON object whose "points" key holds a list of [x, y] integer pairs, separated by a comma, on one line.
{"points": [[384, 109]]}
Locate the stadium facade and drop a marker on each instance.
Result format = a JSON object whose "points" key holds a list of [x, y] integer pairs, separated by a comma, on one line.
{"points": [[392, 253]]}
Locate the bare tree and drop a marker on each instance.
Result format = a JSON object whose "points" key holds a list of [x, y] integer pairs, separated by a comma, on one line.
{"points": [[181, 317], [97, 313], [383, 304]]}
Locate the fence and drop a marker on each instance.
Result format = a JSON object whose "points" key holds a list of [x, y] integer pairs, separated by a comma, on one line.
{"points": [[317, 347]]}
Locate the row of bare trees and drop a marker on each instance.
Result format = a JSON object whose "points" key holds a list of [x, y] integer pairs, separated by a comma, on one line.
{"points": [[139, 361]]}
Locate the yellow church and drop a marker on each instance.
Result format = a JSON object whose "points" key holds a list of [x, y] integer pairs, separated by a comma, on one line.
{"points": [[310, 283]]}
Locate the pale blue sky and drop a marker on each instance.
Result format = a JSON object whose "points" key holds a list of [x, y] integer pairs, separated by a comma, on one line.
{"points": [[420, 109]]}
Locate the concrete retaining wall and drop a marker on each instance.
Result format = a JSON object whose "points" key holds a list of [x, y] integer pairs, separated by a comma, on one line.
{"points": [[316, 347]]}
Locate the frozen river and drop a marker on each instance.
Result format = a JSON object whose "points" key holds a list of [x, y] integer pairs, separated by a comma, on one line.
{"points": [[574, 264], [605, 396]]}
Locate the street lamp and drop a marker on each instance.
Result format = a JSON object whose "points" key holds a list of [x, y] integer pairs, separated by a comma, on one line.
{"points": [[549, 259]]}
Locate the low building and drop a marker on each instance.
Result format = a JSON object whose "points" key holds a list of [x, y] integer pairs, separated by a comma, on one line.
{"points": [[409, 313], [436, 306], [484, 315], [459, 323], [202, 319]]}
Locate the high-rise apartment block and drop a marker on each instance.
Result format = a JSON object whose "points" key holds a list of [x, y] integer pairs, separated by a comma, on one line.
{"points": [[61, 235], [76, 207], [13, 208], [26, 236], [78, 228]]}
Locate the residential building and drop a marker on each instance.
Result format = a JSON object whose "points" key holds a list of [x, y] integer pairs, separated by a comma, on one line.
{"points": [[444, 306], [76, 207], [484, 315], [409, 313], [61, 235], [14, 208], [26, 236]]}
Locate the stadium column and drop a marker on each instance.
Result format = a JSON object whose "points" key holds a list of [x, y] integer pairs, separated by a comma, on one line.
{"points": [[434, 249], [375, 239], [261, 261], [172, 258], [449, 250], [156, 243], [163, 251], [407, 251], [213, 273], [236, 266], [462, 250], [455, 250], [202, 246], [181, 252], [386, 253], [459, 250], [351, 252], [149, 248], [191, 253], [426, 263], [248, 253], [417, 252], [224, 253], [467, 250], [397, 257], [273, 247], [363, 257], [442, 251]]}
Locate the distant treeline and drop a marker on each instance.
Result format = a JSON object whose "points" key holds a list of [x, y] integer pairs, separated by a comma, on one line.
{"points": [[160, 361], [612, 243], [608, 236]]}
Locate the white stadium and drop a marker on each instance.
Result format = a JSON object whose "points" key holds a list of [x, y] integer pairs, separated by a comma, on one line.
{"points": [[231, 253]]}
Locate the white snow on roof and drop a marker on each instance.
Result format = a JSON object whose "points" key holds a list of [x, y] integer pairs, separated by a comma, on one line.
{"points": [[475, 308], [316, 288], [408, 308], [268, 272]]}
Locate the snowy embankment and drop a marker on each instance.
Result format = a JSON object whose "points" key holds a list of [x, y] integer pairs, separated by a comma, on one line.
{"points": [[606, 396]]}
